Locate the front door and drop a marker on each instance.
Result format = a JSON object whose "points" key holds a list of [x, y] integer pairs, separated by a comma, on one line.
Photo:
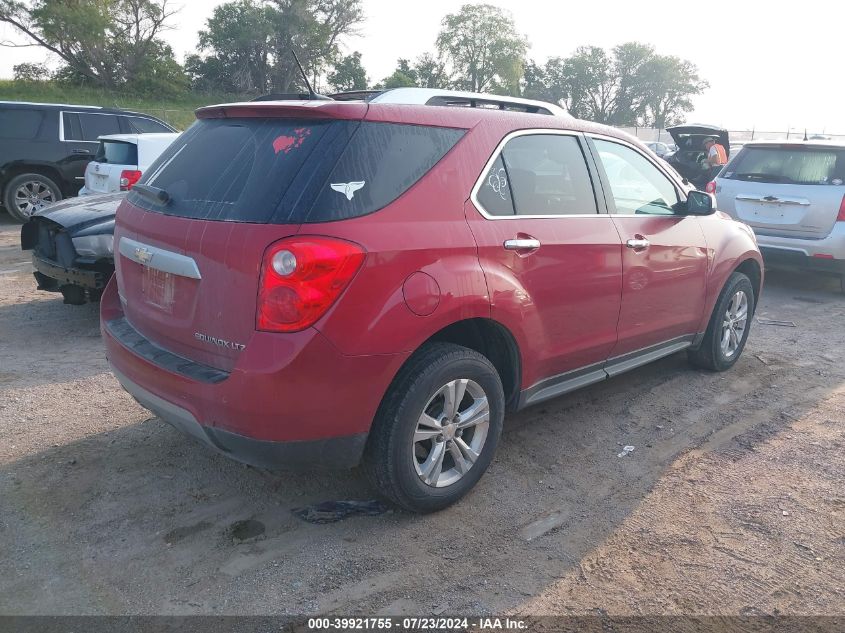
{"points": [[551, 260], [664, 259]]}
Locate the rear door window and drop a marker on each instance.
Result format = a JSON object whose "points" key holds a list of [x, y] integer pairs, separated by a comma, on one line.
{"points": [[117, 153], [788, 165], [494, 195], [380, 163], [20, 124], [96, 125]]}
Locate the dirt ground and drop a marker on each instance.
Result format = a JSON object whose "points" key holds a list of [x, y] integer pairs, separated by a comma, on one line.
{"points": [[732, 501]]}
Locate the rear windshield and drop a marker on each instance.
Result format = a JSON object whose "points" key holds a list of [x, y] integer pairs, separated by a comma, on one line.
{"points": [[789, 165], [117, 153], [291, 170]]}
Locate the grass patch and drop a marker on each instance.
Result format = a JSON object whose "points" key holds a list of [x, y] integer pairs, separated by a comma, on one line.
{"points": [[177, 111]]}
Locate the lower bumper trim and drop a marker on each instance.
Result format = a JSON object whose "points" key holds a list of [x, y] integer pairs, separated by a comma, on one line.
{"points": [[332, 453], [70, 276]]}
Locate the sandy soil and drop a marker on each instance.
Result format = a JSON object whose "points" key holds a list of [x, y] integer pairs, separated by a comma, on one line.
{"points": [[732, 501]]}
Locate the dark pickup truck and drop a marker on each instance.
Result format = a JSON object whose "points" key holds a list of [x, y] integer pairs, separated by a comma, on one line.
{"points": [[44, 149]]}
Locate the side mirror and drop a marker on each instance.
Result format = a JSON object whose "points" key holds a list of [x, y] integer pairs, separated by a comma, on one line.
{"points": [[699, 203]]}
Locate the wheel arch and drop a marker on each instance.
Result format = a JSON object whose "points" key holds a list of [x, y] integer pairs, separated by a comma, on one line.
{"points": [[16, 169], [751, 269]]}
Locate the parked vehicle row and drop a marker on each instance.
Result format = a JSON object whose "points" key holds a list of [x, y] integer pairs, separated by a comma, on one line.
{"points": [[45, 148], [328, 283]]}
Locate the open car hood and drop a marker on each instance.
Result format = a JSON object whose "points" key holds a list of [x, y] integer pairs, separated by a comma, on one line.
{"points": [[76, 214], [695, 132]]}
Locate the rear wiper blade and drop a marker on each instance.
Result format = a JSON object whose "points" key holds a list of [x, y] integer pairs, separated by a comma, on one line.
{"points": [[153, 194]]}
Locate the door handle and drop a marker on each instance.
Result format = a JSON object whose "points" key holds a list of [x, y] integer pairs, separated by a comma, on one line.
{"points": [[80, 151], [638, 244], [522, 244]]}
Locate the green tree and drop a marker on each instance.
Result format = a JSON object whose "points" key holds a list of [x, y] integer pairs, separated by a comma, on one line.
{"points": [[30, 72], [348, 74], [238, 38], [671, 84], [426, 72], [483, 48], [111, 43]]}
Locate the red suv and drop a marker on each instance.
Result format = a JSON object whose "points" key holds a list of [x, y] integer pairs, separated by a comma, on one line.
{"points": [[328, 283]]}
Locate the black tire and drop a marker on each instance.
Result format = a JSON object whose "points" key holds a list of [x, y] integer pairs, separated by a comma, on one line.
{"points": [[11, 189], [391, 453], [710, 354]]}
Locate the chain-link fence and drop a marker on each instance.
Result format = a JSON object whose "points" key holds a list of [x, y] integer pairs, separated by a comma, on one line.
{"points": [[647, 134]]}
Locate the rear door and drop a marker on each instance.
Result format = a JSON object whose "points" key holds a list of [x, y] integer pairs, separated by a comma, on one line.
{"points": [[664, 259], [551, 259], [188, 270], [788, 190]]}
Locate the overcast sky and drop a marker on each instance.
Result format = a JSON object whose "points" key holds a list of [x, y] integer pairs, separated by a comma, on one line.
{"points": [[768, 66]]}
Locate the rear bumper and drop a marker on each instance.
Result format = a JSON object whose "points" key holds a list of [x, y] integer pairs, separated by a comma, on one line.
{"points": [[291, 400], [337, 452], [824, 255], [51, 276]]}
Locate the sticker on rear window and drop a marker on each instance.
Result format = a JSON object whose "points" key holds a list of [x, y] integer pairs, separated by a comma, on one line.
{"points": [[348, 188], [285, 143]]}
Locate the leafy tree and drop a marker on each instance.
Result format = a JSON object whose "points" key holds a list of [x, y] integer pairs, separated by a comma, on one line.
{"points": [[426, 72], [348, 74], [112, 43], [483, 48], [239, 38], [632, 85], [30, 72]]}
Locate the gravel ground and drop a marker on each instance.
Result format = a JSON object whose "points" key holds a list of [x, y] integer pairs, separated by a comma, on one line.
{"points": [[731, 502]]}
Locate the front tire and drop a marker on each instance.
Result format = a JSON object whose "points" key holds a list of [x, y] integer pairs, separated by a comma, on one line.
{"points": [[26, 194], [437, 429], [729, 326]]}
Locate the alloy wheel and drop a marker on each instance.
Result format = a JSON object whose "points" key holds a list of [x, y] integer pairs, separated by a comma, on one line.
{"points": [[451, 432], [32, 196], [734, 323]]}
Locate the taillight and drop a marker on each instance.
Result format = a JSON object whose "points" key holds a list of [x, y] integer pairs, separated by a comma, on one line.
{"points": [[711, 187], [841, 216], [301, 277], [129, 177]]}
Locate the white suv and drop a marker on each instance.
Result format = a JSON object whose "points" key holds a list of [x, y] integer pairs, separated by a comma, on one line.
{"points": [[121, 159], [793, 195]]}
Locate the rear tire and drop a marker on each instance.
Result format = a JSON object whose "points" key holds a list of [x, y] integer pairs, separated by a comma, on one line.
{"points": [[26, 194], [729, 326], [446, 404]]}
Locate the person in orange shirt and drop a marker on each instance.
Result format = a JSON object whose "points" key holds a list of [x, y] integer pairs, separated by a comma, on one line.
{"points": [[717, 157]]}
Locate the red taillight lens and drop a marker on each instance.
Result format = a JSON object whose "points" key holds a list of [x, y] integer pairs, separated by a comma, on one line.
{"points": [[711, 187], [841, 216], [129, 177], [301, 277]]}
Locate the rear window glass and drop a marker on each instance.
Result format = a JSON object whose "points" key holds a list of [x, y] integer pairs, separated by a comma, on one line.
{"points": [[20, 124], [291, 170], [117, 153], [788, 165], [381, 162], [96, 125]]}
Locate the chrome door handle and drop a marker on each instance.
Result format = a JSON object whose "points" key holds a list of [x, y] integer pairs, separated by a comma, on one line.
{"points": [[522, 244], [80, 151], [637, 244]]}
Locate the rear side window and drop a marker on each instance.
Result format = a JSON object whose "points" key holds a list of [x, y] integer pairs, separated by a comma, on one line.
{"points": [[117, 153], [539, 174], [20, 124], [789, 165], [146, 126], [380, 163]]}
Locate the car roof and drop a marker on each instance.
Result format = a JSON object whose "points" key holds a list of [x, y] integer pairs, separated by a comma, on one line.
{"points": [[69, 106], [796, 143]]}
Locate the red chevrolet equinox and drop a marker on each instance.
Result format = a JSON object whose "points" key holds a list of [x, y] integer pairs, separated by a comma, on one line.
{"points": [[312, 283]]}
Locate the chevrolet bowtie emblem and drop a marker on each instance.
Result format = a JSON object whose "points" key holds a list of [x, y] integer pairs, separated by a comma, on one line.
{"points": [[142, 255]]}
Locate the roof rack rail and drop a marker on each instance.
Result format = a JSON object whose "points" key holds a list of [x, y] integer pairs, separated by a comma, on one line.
{"points": [[356, 95], [454, 98]]}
